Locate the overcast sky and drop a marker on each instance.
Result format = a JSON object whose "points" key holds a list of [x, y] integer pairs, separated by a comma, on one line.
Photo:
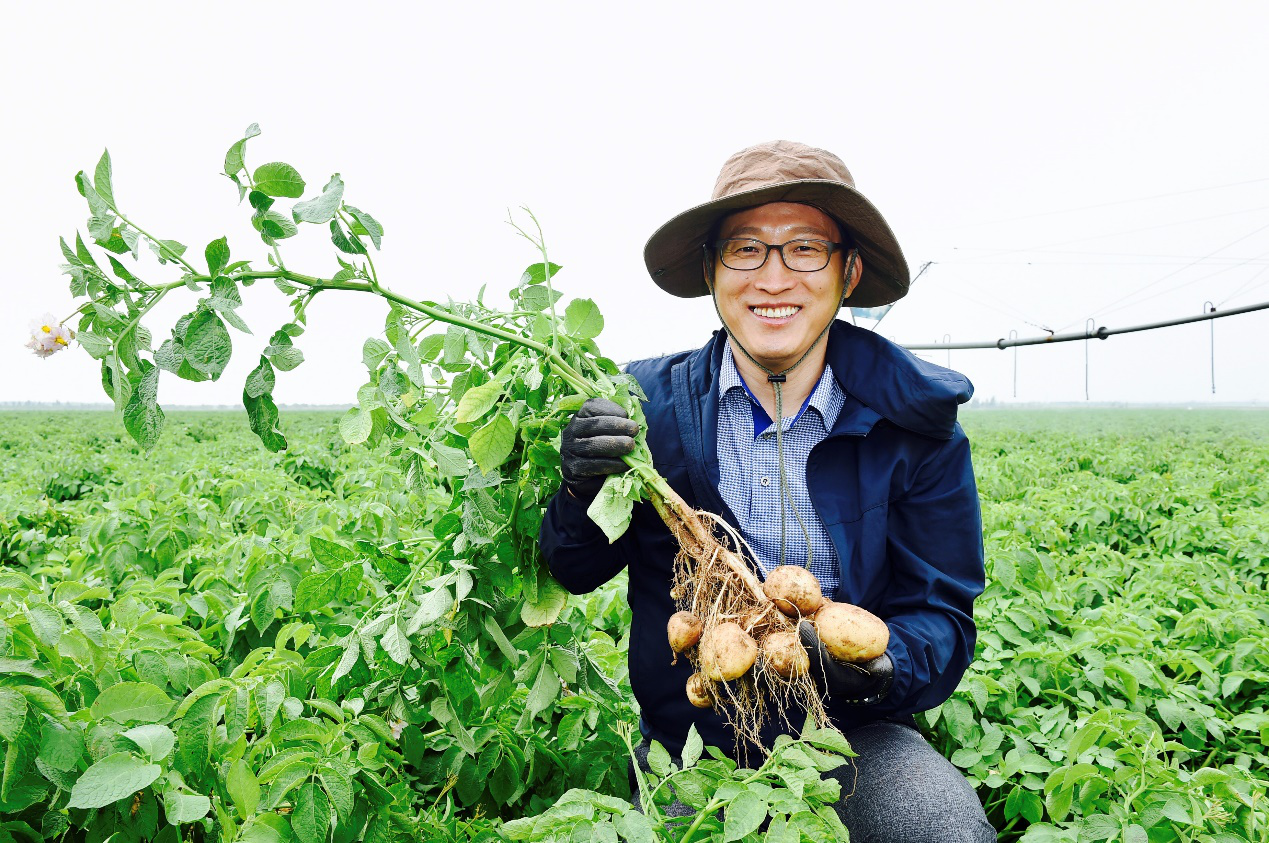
{"points": [[1055, 162]]}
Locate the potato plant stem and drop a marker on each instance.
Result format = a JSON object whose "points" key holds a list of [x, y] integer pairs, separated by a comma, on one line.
{"points": [[664, 498]]}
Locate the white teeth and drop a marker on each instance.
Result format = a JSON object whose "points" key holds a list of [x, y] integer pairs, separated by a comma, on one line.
{"points": [[776, 312]]}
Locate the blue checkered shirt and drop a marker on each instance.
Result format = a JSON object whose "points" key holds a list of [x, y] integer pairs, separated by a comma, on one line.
{"points": [[749, 470]]}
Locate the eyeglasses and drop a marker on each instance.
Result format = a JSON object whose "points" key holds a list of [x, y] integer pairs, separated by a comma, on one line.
{"points": [[798, 255]]}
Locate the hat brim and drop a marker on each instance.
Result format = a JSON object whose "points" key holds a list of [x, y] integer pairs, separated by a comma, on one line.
{"points": [[673, 252]]}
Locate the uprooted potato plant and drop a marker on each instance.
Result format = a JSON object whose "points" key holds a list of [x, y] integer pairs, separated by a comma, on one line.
{"points": [[554, 354]]}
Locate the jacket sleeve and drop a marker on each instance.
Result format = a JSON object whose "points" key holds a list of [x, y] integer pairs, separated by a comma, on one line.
{"points": [[935, 549], [576, 550]]}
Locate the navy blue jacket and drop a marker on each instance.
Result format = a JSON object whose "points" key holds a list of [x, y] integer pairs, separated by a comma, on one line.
{"points": [[892, 483]]}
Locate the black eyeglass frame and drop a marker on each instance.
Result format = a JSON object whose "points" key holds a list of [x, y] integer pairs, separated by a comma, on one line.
{"points": [[717, 249]]}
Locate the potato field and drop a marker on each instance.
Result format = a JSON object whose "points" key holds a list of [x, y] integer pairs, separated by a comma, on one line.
{"points": [[213, 642]]}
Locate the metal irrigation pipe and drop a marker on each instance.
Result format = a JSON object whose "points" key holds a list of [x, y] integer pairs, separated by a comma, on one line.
{"points": [[1100, 334]]}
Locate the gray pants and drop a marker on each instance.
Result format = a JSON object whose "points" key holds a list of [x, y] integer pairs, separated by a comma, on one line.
{"points": [[898, 789]]}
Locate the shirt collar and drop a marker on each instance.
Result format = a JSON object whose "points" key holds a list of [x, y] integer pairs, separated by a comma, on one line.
{"points": [[827, 398]]}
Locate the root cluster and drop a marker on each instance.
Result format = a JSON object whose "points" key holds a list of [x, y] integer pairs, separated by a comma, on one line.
{"points": [[716, 585]]}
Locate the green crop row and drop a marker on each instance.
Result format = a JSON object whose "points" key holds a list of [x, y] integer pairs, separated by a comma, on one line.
{"points": [[173, 627]]}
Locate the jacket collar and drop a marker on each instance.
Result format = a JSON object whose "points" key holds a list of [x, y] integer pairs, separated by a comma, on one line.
{"points": [[883, 379]]}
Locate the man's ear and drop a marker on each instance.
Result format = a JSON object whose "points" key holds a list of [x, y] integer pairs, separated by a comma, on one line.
{"points": [[856, 269]]}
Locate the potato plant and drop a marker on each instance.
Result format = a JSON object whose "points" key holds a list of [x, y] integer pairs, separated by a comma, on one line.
{"points": [[356, 675]]}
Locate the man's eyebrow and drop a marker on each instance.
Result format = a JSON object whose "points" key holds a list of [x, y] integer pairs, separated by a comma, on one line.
{"points": [[751, 230]]}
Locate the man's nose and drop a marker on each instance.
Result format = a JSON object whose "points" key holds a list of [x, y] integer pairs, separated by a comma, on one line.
{"points": [[774, 274]]}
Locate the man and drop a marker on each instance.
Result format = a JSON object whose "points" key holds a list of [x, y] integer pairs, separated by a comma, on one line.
{"points": [[866, 477]]}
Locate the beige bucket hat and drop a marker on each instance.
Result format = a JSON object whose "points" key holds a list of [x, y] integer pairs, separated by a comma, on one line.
{"points": [[781, 171]]}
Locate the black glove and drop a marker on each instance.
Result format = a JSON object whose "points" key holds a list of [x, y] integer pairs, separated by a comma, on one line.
{"points": [[856, 684], [592, 444]]}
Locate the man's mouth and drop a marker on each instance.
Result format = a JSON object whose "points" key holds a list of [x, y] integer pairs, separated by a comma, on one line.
{"points": [[775, 312]]}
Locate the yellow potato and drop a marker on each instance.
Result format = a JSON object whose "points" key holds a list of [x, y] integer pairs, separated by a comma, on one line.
{"points": [[794, 590], [783, 653], [698, 691], [727, 652], [849, 633], [683, 630]]}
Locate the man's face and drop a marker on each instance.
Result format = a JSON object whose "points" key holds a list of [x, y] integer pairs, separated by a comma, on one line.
{"points": [[775, 312]]}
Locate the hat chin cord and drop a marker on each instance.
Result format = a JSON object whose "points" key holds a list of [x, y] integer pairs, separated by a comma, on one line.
{"points": [[777, 379]]}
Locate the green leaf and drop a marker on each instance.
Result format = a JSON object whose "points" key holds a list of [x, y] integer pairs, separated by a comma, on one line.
{"points": [[1169, 712], [450, 462], [321, 209], [46, 622], [352, 651], [262, 413], [343, 241], [154, 740], [692, 748], [583, 319], [102, 179], [266, 828], [492, 444], [195, 733], [1099, 827], [329, 553], [432, 607], [217, 254], [317, 591], [537, 273], [659, 759], [546, 609], [366, 225], [285, 357], [260, 381], [166, 250], [538, 298], [743, 816], [612, 507], [234, 157], [545, 690], [207, 344], [12, 713], [396, 644], [634, 827], [1135, 834], [275, 225], [112, 778], [373, 351], [266, 603], [355, 426], [311, 818], [261, 202], [477, 401], [339, 788], [279, 179], [181, 808], [142, 416], [243, 787]]}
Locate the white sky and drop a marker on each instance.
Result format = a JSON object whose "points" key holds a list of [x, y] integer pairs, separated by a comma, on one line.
{"points": [[975, 128]]}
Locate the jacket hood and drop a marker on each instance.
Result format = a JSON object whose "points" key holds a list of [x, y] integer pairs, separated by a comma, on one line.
{"points": [[907, 391]]}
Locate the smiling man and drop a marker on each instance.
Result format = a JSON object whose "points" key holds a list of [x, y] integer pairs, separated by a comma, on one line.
{"points": [[826, 446]]}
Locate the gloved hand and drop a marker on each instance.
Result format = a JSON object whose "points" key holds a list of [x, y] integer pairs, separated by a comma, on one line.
{"points": [[592, 444], [856, 684]]}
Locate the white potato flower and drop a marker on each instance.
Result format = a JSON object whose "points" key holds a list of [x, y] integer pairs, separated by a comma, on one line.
{"points": [[48, 336]]}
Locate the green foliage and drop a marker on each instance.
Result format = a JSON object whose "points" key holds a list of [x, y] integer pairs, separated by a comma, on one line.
{"points": [[224, 644], [210, 644], [1120, 685]]}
